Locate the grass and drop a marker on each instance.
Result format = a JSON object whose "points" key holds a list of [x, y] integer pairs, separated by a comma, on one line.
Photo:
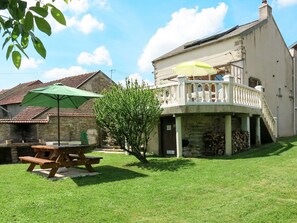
{"points": [[259, 185]]}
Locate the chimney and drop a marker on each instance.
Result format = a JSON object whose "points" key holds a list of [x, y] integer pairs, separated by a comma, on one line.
{"points": [[265, 11]]}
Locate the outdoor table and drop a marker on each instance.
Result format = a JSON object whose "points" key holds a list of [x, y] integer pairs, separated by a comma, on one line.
{"points": [[54, 157]]}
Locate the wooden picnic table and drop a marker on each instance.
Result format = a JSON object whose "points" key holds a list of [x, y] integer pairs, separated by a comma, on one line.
{"points": [[54, 157]]}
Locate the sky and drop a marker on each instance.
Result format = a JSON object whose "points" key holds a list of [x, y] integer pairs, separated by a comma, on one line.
{"points": [[122, 37]]}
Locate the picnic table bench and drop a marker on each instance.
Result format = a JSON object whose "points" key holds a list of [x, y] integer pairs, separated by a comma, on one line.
{"points": [[54, 157]]}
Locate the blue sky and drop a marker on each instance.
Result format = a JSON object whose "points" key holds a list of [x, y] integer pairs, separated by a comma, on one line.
{"points": [[122, 37]]}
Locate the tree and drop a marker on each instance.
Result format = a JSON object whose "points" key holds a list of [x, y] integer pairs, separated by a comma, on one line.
{"points": [[20, 23], [129, 114]]}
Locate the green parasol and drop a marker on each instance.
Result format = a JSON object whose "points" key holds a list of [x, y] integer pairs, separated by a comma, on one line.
{"points": [[58, 96]]}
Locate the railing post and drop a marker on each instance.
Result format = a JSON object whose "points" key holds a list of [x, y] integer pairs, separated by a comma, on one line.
{"points": [[261, 89], [181, 90], [230, 79]]}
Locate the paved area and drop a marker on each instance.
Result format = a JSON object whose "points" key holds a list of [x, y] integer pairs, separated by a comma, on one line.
{"points": [[64, 173], [105, 150]]}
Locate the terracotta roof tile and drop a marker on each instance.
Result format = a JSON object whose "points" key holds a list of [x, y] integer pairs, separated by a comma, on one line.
{"points": [[15, 94], [29, 112]]}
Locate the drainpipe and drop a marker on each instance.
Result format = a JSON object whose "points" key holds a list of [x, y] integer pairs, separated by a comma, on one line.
{"points": [[294, 90]]}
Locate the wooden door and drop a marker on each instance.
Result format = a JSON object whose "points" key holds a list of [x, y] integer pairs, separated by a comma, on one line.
{"points": [[168, 136]]}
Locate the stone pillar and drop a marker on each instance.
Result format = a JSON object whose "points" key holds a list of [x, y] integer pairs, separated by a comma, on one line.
{"points": [[245, 126], [258, 131], [14, 154], [228, 135], [179, 147]]}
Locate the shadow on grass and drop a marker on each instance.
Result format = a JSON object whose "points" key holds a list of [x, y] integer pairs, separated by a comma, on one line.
{"points": [[271, 149], [107, 174], [163, 164]]}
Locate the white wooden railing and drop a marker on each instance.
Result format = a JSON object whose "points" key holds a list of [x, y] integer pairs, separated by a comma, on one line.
{"points": [[198, 92]]}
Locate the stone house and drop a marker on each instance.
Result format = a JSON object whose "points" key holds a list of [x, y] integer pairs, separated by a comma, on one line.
{"points": [[253, 89], [20, 124]]}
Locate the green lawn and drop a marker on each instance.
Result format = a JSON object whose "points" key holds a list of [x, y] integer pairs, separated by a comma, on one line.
{"points": [[256, 186]]}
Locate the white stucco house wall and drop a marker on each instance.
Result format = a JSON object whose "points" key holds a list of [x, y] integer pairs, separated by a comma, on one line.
{"points": [[253, 90]]}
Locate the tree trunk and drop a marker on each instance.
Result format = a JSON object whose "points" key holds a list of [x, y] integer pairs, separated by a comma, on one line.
{"points": [[137, 154], [140, 157]]}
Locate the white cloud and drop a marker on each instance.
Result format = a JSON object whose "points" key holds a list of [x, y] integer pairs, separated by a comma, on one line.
{"points": [[30, 63], [88, 23], [103, 4], [58, 73], [78, 6], [185, 25], [284, 3], [138, 77], [85, 24], [99, 56]]}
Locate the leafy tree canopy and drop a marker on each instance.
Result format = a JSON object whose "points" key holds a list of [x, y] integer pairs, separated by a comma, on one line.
{"points": [[18, 23], [129, 114]]}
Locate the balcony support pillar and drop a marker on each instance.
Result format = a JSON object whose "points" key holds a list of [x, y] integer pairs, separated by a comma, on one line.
{"points": [[228, 135], [258, 131], [179, 147]]}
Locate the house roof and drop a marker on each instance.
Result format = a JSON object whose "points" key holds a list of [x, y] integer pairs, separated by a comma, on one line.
{"points": [[15, 95], [32, 114], [8, 94], [232, 32], [293, 46]]}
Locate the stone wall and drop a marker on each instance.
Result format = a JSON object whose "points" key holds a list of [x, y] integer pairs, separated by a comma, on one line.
{"points": [[195, 125], [70, 128], [4, 132]]}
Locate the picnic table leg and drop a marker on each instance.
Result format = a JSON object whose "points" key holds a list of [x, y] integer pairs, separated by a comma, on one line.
{"points": [[89, 168], [53, 172], [31, 167], [87, 165]]}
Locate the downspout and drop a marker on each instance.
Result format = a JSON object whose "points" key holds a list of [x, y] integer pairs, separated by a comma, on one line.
{"points": [[294, 90]]}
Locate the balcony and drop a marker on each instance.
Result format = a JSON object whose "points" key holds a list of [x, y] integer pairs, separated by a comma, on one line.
{"points": [[226, 97], [209, 96]]}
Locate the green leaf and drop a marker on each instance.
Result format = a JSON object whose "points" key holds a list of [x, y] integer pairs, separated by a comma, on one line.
{"points": [[28, 22], [3, 4], [17, 59], [25, 41], [6, 41], [8, 24], [38, 45], [43, 25], [58, 15], [9, 49], [21, 10], [6, 32], [39, 10], [15, 32], [2, 21], [22, 50], [12, 9]]}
